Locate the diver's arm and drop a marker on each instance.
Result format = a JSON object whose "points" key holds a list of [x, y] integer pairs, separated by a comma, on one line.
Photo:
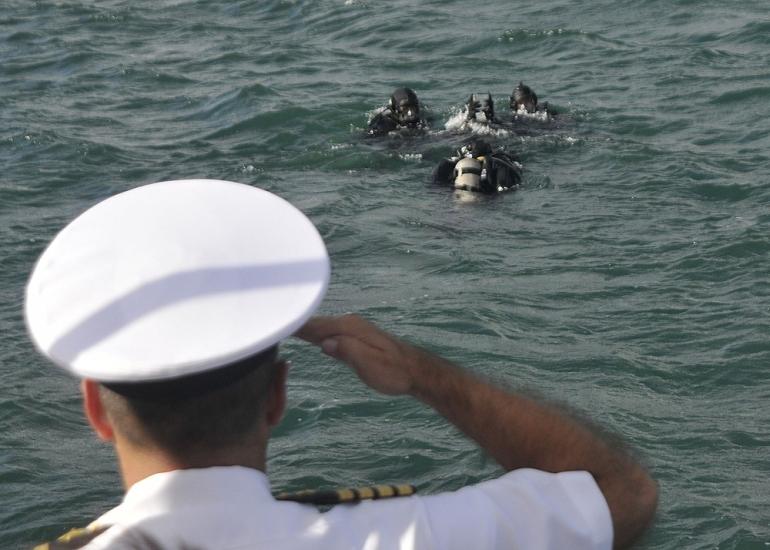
{"points": [[502, 172], [442, 175], [471, 108], [382, 123], [518, 431]]}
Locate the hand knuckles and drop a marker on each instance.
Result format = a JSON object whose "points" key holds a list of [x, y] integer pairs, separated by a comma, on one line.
{"points": [[350, 321]]}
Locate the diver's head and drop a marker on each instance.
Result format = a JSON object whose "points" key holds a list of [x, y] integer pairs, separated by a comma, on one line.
{"points": [[475, 148], [481, 108], [523, 97], [405, 106]]}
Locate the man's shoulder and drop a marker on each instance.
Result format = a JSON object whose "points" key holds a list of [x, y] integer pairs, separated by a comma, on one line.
{"points": [[501, 509], [74, 538]]}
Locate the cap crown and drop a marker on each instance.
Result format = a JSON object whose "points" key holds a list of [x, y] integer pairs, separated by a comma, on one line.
{"points": [[175, 278]]}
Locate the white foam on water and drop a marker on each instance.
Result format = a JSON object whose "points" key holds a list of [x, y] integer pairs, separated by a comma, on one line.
{"points": [[541, 116], [374, 112], [410, 156], [458, 122]]}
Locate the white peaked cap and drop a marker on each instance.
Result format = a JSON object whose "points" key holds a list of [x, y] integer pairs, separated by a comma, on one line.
{"points": [[175, 278]]}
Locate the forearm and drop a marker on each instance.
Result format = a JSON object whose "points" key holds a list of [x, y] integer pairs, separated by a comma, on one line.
{"points": [[516, 430], [521, 431]]}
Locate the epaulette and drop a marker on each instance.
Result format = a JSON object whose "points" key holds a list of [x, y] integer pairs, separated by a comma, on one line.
{"points": [[74, 538], [340, 496]]}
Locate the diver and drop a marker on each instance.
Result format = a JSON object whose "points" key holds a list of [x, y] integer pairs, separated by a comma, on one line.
{"points": [[402, 111], [524, 100], [477, 116], [480, 109], [476, 167]]}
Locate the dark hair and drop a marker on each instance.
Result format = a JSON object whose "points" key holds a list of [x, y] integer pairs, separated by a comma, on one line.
{"points": [[189, 416]]}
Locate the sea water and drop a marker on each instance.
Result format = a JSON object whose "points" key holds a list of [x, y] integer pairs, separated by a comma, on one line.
{"points": [[627, 276]]}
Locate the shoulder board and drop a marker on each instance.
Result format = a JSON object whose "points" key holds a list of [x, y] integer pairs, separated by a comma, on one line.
{"points": [[74, 538], [340, 496]]}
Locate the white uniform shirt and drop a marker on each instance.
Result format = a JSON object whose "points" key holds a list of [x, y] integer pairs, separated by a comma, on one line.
{"points": [[231, 508]]}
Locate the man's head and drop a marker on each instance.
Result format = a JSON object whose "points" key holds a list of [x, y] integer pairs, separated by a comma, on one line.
{"points": [[169, 300], [405, 106], [523, 98], [195, 418]]}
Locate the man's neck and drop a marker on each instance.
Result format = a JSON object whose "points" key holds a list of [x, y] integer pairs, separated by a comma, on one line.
{"points": [[137, 463]]}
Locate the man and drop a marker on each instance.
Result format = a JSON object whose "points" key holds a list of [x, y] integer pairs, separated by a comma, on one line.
{"points": [[170, 300], [402, 111], [524, 101], [476, 167]]}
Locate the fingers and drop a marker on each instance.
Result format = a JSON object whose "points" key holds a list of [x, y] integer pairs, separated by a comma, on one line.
{"points": [[376, 356], [377, 368], [319, 329], [349, 350], [348, 338]]}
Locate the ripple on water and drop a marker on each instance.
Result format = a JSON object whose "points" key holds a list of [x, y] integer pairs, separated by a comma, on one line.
{"points": [[626, 275]]}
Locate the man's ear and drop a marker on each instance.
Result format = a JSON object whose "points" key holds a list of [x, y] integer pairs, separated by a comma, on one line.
{"points": [[276, 398], [95, 412]]}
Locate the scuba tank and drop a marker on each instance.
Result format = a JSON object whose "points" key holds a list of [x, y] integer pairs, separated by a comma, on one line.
{"points": [[467, 174]]}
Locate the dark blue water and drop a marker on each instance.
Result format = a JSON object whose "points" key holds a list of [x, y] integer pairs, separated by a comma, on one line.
{"points": [[627, 276]]}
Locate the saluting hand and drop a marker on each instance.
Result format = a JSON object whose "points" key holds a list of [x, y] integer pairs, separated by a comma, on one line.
{"points": [[383, 362]]}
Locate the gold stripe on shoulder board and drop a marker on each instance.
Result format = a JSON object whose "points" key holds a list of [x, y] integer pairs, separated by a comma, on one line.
{"points": [[340, 496], [74, 538]]}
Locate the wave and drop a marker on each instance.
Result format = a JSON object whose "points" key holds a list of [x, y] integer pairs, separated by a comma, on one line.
{"points": [[755, 95]]}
